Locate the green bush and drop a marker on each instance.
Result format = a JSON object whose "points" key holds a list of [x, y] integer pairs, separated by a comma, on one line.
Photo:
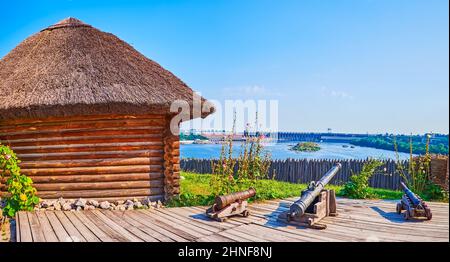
{"points": [[358, 186], [434, 192], [22, 194]]}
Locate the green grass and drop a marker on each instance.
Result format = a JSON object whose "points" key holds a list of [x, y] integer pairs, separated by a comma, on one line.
{"points": [[195, 191]]}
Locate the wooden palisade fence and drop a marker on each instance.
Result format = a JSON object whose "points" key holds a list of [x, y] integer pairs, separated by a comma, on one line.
{"points": [[305, 170]]}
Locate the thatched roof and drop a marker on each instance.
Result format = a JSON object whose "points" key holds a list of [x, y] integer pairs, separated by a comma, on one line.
{"points": [[71, 68]]}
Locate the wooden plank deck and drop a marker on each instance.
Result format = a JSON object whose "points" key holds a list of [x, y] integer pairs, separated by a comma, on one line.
{"points": [[358, 220]]}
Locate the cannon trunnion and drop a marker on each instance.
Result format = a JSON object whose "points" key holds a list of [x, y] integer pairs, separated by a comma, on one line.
{"points": [[230, 205], [315, 203], [413, 205]]}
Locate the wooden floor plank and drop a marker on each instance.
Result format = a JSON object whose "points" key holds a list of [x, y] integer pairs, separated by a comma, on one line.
{"points": [[94, 228], [148, 230], [25, 229], [124, 224], [116, 227], [264, 232], [47, 229], [200, 211], [112, 234], [200, 218], [18, 227], [59, 230], [195, 225], [160, 227], [83, 229], [384, 227], [307, 235], [179, 228], [73, 232], [36, 229]]}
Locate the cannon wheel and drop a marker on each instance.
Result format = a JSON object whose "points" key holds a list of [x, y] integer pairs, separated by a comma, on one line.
{"points": [[407, 215], [429, 215], [246, 213], [399, 208]]}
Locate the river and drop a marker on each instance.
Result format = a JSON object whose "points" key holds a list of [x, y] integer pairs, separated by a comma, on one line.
{"points": [[281, 151]]}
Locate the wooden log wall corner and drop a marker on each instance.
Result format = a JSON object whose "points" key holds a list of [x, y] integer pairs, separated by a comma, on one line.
{"points": [[171, 161]]}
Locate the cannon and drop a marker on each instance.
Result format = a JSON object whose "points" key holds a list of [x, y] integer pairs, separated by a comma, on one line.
{"points": [[315, 203], [413, 205], [230, 205]]}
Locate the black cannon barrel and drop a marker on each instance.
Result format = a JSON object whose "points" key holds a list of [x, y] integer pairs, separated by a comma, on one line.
{"points": [[223, 201], [299, 207], [413, 197]]}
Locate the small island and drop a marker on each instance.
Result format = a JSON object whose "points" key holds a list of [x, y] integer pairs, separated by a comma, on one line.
{"points": [[306, 147]]}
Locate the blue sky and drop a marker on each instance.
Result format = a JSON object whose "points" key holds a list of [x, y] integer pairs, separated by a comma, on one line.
{"points": [[351, 65]]}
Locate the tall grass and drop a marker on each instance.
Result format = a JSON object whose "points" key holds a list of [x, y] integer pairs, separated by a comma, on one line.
{"points": [[418, 174]]}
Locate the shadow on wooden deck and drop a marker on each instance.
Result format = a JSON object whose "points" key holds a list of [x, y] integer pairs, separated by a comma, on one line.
{"points": [[396, 218]]}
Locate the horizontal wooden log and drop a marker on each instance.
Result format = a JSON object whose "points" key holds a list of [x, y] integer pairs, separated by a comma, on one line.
{"points": [[79, 125], [113, 193], [92, 170], [90, 145], [175, 190], [92, 162], [175, 182], [93, 178], [175, 160], [98, 185], [175, 152], [176, 175], [95, 185], [80, 135], [119, 147], [172, 146], [31, 121], [176, 168], [90, 155], [171, 159], [86, 141]]}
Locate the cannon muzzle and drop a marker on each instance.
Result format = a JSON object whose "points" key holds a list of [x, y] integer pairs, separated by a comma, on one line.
{"points": [[223, 201], [410, 194], [307, 198]]}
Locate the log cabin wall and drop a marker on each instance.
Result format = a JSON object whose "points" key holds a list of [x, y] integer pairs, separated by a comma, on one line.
{"points": [[96, 157]]}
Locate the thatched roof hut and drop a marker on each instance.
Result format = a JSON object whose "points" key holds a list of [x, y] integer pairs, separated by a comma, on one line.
{"points": [[89, 115]]}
